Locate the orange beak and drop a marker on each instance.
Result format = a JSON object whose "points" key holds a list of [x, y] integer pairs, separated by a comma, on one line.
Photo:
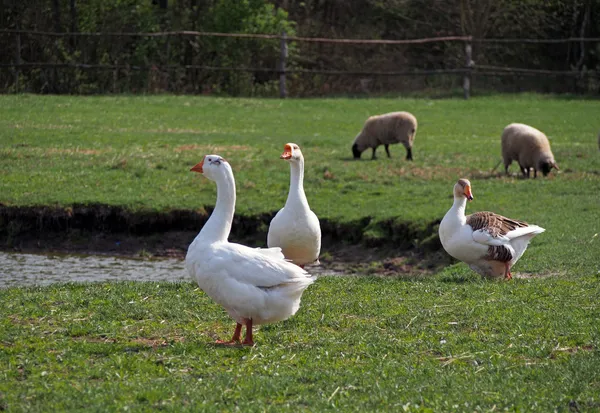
{"points": [[468, 193], [287, 152], [198, 167]]}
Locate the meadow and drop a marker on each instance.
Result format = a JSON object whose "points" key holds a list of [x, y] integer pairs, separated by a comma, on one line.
{"points": [[445, 342]]}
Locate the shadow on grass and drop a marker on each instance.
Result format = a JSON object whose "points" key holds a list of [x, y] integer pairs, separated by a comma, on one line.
{"points": [[459, 276], [226, 346]]}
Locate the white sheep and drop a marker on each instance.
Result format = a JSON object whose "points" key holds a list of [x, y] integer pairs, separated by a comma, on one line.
{"points": [[529, 147], [394, 127]]}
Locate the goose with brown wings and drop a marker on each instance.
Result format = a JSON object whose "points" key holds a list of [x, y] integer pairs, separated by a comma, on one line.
{"points": [[490, 244]]}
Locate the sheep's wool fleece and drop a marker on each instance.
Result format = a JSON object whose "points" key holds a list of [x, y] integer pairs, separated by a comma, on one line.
{"points": [[394, 127], [519, 139]]}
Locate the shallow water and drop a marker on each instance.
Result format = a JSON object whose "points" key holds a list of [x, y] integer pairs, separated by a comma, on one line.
{"points": [[35, 269]]}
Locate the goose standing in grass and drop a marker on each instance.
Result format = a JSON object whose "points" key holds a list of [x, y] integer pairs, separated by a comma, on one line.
{"points": [[295, 228], [489, 243], [254, 285]]}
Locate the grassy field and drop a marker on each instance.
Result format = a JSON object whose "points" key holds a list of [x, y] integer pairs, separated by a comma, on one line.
{"points": [[450, 342], [136, 152], [358, 344]]}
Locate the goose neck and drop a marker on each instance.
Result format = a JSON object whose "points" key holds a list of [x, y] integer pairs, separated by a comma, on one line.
{"points": [[218, 226], [458, 208], [296, 194]]}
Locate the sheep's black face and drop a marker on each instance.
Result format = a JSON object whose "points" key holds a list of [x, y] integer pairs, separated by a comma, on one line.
{"points": [[355, 151], [545, 167]]}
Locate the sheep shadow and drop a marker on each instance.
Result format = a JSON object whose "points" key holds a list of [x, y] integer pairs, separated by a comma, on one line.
{"points": [[502, 175], [365, 159]]}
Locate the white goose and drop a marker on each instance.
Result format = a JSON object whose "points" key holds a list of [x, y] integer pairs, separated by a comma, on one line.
{"points": [[489, 243], [295, 228], [254, 285]]}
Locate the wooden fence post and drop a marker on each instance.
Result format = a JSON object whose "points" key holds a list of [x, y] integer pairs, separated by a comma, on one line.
{"points": [[468, 66], [17, 61], [282, 58], [115, 79]]}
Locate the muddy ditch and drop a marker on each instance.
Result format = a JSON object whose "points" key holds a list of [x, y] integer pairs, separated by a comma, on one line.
{"points": [[383, 247]]}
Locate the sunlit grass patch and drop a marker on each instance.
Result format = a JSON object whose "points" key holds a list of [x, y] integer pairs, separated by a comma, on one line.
{"points": [[400, 333], [357, 343]]}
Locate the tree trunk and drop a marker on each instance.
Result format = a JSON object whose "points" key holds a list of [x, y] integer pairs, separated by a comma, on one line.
{"points": [[584, 23]]}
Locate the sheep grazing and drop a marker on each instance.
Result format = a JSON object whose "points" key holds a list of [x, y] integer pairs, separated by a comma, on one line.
{"points": [[394, 127], [529, 147]]}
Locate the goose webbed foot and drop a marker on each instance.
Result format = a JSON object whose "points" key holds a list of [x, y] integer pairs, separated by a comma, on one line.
{"points": [[235, 339], [248, 340], [507, 274]]}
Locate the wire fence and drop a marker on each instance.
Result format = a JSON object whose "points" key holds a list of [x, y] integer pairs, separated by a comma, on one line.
{"points": [[41, 54]]}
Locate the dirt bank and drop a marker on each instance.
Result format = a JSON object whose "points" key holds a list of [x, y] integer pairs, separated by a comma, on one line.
{"points": [[384, 246]]}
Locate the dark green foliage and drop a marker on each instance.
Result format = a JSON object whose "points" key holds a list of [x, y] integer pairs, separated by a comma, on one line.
{"points": [[154, 64], [182, 64], [245, 16]]}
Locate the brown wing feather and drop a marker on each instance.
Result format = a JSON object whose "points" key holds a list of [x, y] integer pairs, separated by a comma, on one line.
{"points": [[493, 223], [498, 253], [496, 225]]}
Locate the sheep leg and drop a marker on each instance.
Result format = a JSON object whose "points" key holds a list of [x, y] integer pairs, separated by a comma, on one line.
{"points": [[374, 157], [534, 173], [409, 154], [248, 340], [387, 150], [236, 336], [524, 171]]}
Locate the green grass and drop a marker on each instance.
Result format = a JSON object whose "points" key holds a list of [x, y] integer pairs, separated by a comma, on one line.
{"points": [[450, 342], [136, 152]]}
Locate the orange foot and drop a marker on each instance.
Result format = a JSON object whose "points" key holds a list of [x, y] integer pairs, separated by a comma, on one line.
{"points": [[248, 340], [249, 343], [235, 339], [507, 274]]}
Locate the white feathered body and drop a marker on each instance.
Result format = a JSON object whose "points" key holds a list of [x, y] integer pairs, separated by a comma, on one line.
{"points": [[249, 283], [297, 232]]}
